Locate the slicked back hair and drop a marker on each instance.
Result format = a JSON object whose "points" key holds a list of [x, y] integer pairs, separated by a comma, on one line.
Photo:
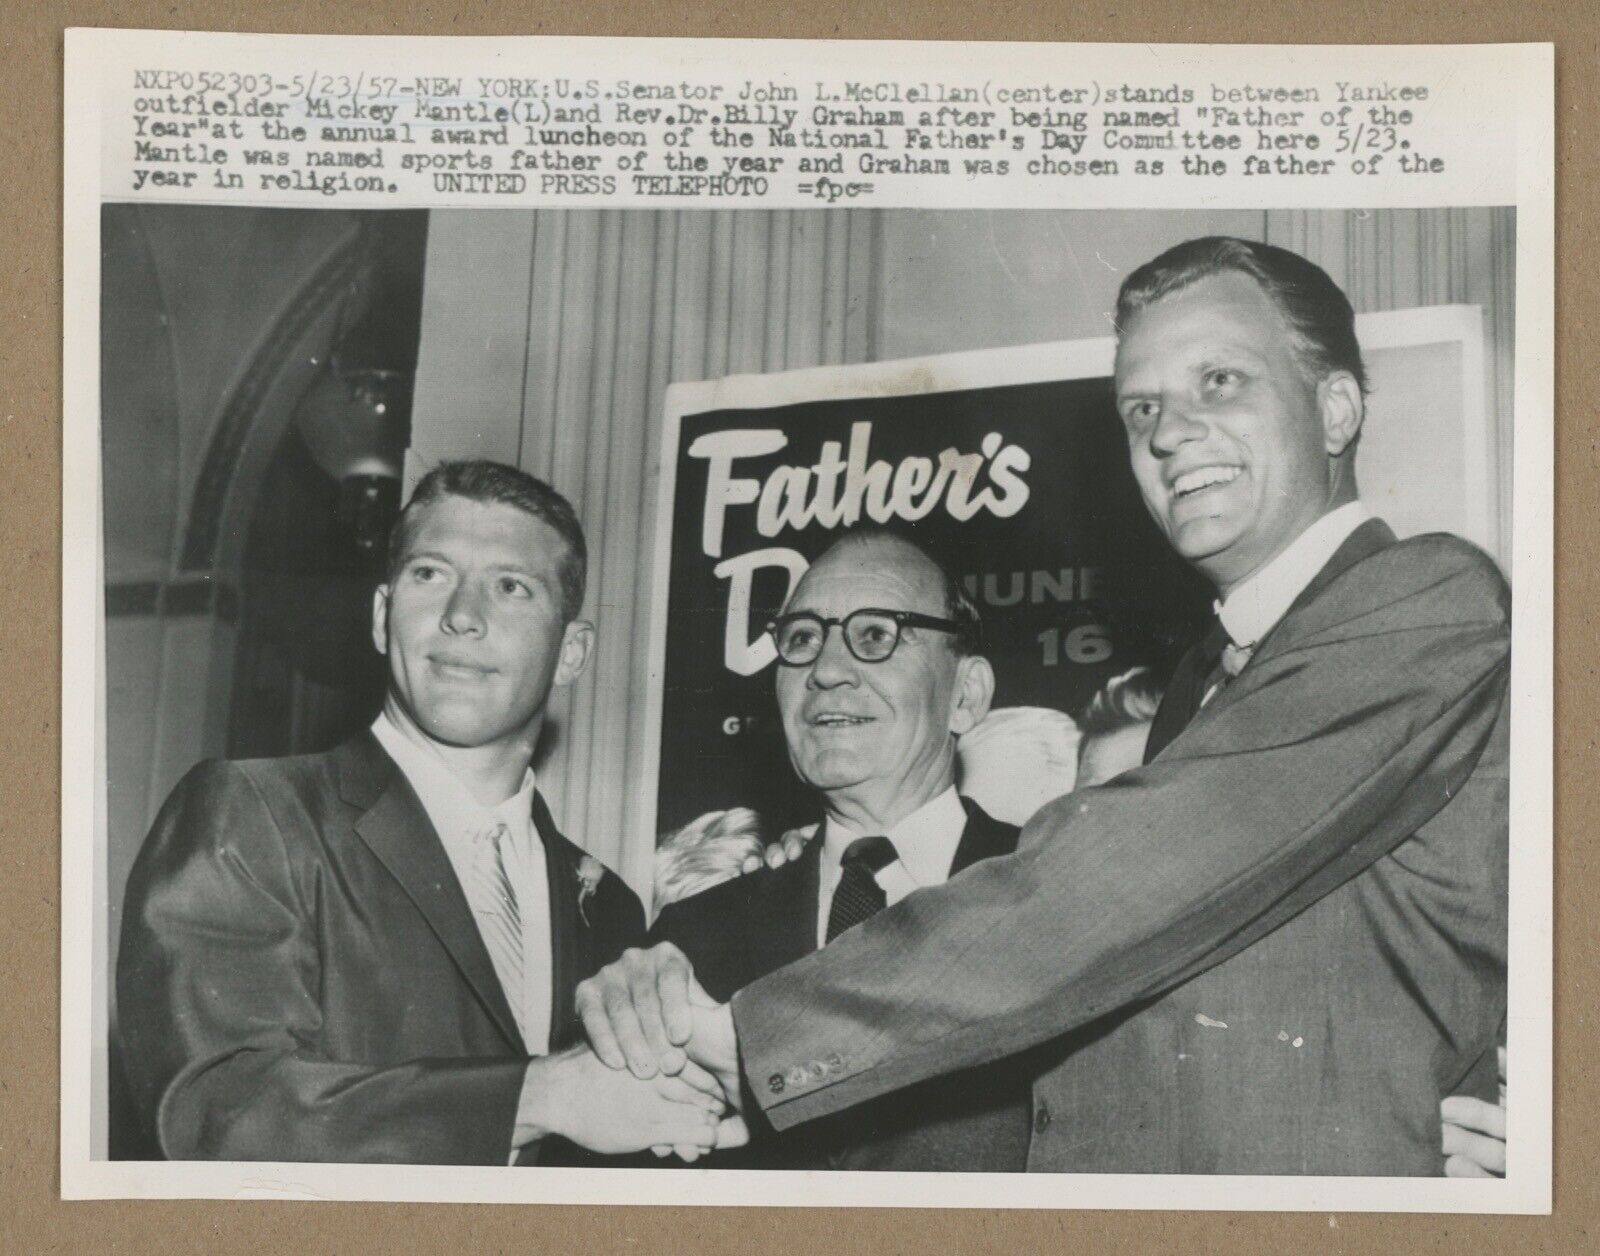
{"points": [[957, 605], [1318, 314], [496, 483]]}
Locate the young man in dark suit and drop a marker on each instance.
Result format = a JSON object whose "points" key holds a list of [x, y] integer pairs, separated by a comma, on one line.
{"points": [[370, 954], [1278, 945], [878, 675]]}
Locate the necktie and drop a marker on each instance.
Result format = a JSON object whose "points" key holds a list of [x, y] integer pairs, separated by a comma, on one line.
{"points": [[858, 894], [494, 903]]}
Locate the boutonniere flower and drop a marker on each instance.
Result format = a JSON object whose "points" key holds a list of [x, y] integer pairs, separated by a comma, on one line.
{"points": [[590, 870]]}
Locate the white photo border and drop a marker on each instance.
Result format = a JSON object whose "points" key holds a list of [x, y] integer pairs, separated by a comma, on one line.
{"points": [[1524, 76]]}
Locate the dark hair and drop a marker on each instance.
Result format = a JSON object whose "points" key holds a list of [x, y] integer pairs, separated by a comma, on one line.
{"points": [[494, 482], [1319, 315], [1125, 700], [957, 605]]}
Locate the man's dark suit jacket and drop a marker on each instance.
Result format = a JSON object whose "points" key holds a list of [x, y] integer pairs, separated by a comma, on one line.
{"points": [[301, 978], [1273, 949], [747, 927]]}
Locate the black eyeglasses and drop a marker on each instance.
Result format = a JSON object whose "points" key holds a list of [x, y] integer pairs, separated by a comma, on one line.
{"points": [[870, 633]]}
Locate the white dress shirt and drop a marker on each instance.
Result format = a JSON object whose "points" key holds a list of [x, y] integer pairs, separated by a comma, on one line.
{"points": [[459, 819], [925, 842], [1256, 605]]}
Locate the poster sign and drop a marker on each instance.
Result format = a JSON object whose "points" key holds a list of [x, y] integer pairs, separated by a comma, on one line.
{"points": [[1020, 485]]}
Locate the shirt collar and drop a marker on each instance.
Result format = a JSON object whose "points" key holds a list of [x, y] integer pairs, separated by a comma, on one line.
{"points": [[1257, 604], [444, 796], [925, 840]]}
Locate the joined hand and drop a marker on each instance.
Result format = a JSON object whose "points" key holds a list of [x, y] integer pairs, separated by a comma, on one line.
{"points": [[646, 1013], [575, 1096]]}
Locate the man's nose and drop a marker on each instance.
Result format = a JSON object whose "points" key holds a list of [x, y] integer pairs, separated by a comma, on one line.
{"points": [[834, 665], [1176, 426], [463, 613]]}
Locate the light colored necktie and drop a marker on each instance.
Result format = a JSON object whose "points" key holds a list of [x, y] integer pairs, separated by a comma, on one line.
{"points": [[499, 918], [1234, 657], [1229, 664]]}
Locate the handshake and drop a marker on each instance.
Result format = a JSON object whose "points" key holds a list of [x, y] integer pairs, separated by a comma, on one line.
{"points": [[661, 1069]]}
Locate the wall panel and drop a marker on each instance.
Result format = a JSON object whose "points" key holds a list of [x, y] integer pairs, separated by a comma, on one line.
{"points": [[1400, 258]]}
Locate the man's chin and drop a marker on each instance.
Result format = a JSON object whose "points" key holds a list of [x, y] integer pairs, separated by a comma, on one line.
{"points": [[1199, 541], [832, 772], [464, 731]]}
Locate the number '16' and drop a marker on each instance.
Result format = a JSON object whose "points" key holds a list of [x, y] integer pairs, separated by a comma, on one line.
{"points": [[1087, 643]]}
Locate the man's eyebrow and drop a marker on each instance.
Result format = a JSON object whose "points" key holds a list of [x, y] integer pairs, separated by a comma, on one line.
{"points": [[1199, 359], [1217, 348], [431, 555], [532, 575]]}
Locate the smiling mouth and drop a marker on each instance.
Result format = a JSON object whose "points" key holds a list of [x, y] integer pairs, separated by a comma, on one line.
{"points": [[837, 719], [1201, 478], [460, 671]]}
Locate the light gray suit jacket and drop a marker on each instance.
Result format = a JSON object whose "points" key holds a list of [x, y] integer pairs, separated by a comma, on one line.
{"points": [[1274, 949]]}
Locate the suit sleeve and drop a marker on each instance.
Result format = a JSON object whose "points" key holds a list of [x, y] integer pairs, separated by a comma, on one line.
{"points": [[217, 985], [666, 927], [619, 915], [684, 924], [1332, 747]]}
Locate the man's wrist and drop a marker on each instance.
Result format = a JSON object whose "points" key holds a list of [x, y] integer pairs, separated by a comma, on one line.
{"points": [[539, 1105]]}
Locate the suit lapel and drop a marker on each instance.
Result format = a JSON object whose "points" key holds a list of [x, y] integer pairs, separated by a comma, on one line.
{"points": [[1364, 542], [568, 936], [780, 924], [1371, 537], [1181, 702], [1185, 690], [983, 838], [396, 829]]}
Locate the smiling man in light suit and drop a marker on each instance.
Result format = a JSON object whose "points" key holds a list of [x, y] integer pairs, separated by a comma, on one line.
{"points": [[1278, 945], [370, 954]]}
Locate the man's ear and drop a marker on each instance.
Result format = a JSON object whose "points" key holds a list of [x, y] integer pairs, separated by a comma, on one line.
{"points": [[577, 645], [1343, 410], [380, 618], [973, 693]]}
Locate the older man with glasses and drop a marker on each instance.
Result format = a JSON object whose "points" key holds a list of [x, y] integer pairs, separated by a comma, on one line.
{"points": [[878, 676]]}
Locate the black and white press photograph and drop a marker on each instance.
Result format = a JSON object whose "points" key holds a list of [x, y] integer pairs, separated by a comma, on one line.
{"points": [[763, 702]]}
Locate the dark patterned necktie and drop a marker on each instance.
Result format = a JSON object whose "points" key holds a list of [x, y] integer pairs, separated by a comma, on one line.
{"points": [[858, 894]]}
